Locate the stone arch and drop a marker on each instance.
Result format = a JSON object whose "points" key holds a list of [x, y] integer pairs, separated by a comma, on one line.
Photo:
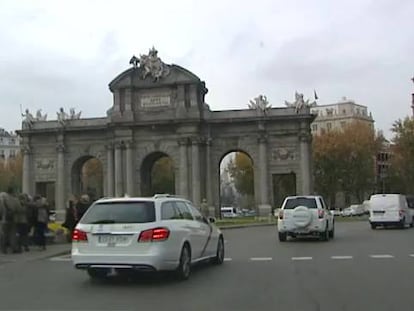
{"points": [[83, 184], [250, 198], [147, 185]]}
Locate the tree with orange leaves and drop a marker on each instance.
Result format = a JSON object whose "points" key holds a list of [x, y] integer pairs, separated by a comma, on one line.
{"points": [[344, 161]]}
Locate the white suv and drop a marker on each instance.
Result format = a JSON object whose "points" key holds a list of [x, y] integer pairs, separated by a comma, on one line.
{"points": [[305, 215], [144, 234]]}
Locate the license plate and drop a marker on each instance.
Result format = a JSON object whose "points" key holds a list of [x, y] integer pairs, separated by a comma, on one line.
{"points": [[379, 212], [112, 239]]}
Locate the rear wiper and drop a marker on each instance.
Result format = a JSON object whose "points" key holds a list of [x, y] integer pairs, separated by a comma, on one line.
{"points": [[103, 221]]}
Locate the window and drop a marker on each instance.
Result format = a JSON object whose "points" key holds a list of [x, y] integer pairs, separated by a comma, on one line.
{"points": [[197, 215], [183, 210], [323, 131], [120, 213], [343, 111], [314, 127], [357, 111], [169, 211], [322, 202], [329, 126], [293, 203], [343, 123]]}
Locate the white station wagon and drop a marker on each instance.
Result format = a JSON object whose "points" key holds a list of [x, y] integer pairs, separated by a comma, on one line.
{"points": [[144, 234]]}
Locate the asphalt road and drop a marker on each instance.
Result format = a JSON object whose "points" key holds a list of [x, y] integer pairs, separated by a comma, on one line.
{"points": [[360, 269]]}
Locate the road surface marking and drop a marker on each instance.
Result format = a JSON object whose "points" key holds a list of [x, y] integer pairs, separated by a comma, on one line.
{"points": [[342, 257], [411, 255], [228, 259], [261, 258], [381, 256], [302, 258], [61, 258]]}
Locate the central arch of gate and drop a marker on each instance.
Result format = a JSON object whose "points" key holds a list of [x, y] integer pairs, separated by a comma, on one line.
{"points": [[159, 111]]}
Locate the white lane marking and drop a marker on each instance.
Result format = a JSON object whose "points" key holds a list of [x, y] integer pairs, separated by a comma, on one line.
{"points": [[381, 256], [228, 259], [61, 258], [261, 258], [411, 255], [302, 258], [341, 257]]}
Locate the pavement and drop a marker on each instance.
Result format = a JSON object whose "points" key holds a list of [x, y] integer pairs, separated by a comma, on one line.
{"points": [[361, 269]]}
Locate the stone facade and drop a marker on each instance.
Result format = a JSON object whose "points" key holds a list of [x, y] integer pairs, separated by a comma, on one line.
{"points": [[168, 116]]}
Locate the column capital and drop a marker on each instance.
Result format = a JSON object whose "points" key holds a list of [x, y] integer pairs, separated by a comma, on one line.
{"points": [[129, 144], [182, 141], [305, 137], [25, 149], [118, 145], [196, 140], [60, 148], [262, 138]]}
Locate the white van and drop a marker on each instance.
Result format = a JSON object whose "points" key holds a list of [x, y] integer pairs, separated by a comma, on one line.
{"points": [[229, 212], [388, 210]]}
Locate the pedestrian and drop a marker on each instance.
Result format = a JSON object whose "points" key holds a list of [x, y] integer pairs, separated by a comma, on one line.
{"points": [[22, 222], [10, 204], [42, 220], [204, 207], [70, 217], [82, 206]]}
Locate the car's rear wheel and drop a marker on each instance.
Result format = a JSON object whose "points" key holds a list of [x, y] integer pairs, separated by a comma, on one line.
{"points": [[373, 226], [332, 232], [98, 273], [325, 235], [282, 236], [402, 223], [184, 268], [219, 259]]}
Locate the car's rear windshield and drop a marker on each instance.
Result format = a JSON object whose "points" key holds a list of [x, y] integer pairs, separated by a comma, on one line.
{"points": [[120, 212], [295, 202]]}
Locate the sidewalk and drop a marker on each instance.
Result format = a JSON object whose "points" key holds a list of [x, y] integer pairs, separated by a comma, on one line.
{"points": [[52, 250]]}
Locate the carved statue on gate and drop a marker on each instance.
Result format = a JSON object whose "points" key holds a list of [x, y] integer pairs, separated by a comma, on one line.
{"points": [[151, 65], [259, 103], [299, 103]]}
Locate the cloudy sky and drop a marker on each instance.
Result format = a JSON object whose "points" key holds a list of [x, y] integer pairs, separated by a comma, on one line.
{"points": [[64, 53]]}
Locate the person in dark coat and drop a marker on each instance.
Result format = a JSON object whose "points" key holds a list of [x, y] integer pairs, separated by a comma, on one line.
{"points": [[42, 220], [22, 222], [70, 217], [82, 206]]}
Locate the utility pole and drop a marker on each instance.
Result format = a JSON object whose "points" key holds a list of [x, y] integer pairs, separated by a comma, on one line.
{"points": [[412, 98]]}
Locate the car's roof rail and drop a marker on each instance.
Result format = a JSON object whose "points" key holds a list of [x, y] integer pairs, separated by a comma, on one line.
{"points": [[166, 195]]}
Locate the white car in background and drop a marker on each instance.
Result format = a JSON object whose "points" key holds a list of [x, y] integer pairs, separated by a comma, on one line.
{"points": [[305, 216], [144, 234]]}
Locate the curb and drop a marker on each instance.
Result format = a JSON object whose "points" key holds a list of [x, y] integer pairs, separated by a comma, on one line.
{"points": [[247, 226]]}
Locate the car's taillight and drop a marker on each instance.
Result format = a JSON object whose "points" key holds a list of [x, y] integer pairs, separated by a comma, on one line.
{"points": [[154, 235], [281, 214], [79, 236], [321, 213]]}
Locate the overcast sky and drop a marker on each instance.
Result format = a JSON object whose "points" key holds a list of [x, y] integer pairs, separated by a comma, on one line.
{"points": [[64, 53]]}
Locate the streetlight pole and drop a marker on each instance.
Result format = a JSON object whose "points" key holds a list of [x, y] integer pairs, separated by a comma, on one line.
{"points": [[412, 98]]}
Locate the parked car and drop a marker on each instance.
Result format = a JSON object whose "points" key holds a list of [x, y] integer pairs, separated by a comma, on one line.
{"points": [[144, 234], [389, 210], [305, 216]]}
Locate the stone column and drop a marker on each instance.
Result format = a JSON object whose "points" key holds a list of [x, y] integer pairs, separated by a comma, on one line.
{"points": [[195, 171], [26, 182], [209, 183], [130, 168], [110, 169], [264, 207], [60, 200], [119, 189], [183, 173], [304, 141]]}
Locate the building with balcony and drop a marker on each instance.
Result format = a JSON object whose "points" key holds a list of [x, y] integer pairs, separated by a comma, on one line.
{"points": [[9, 144], [338, 115]]}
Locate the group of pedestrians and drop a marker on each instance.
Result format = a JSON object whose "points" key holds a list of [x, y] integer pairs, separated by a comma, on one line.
{"points": [[21, 215]]}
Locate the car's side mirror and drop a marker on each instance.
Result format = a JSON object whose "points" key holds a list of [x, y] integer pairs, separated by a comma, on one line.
{"points": [[212, 220]]}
